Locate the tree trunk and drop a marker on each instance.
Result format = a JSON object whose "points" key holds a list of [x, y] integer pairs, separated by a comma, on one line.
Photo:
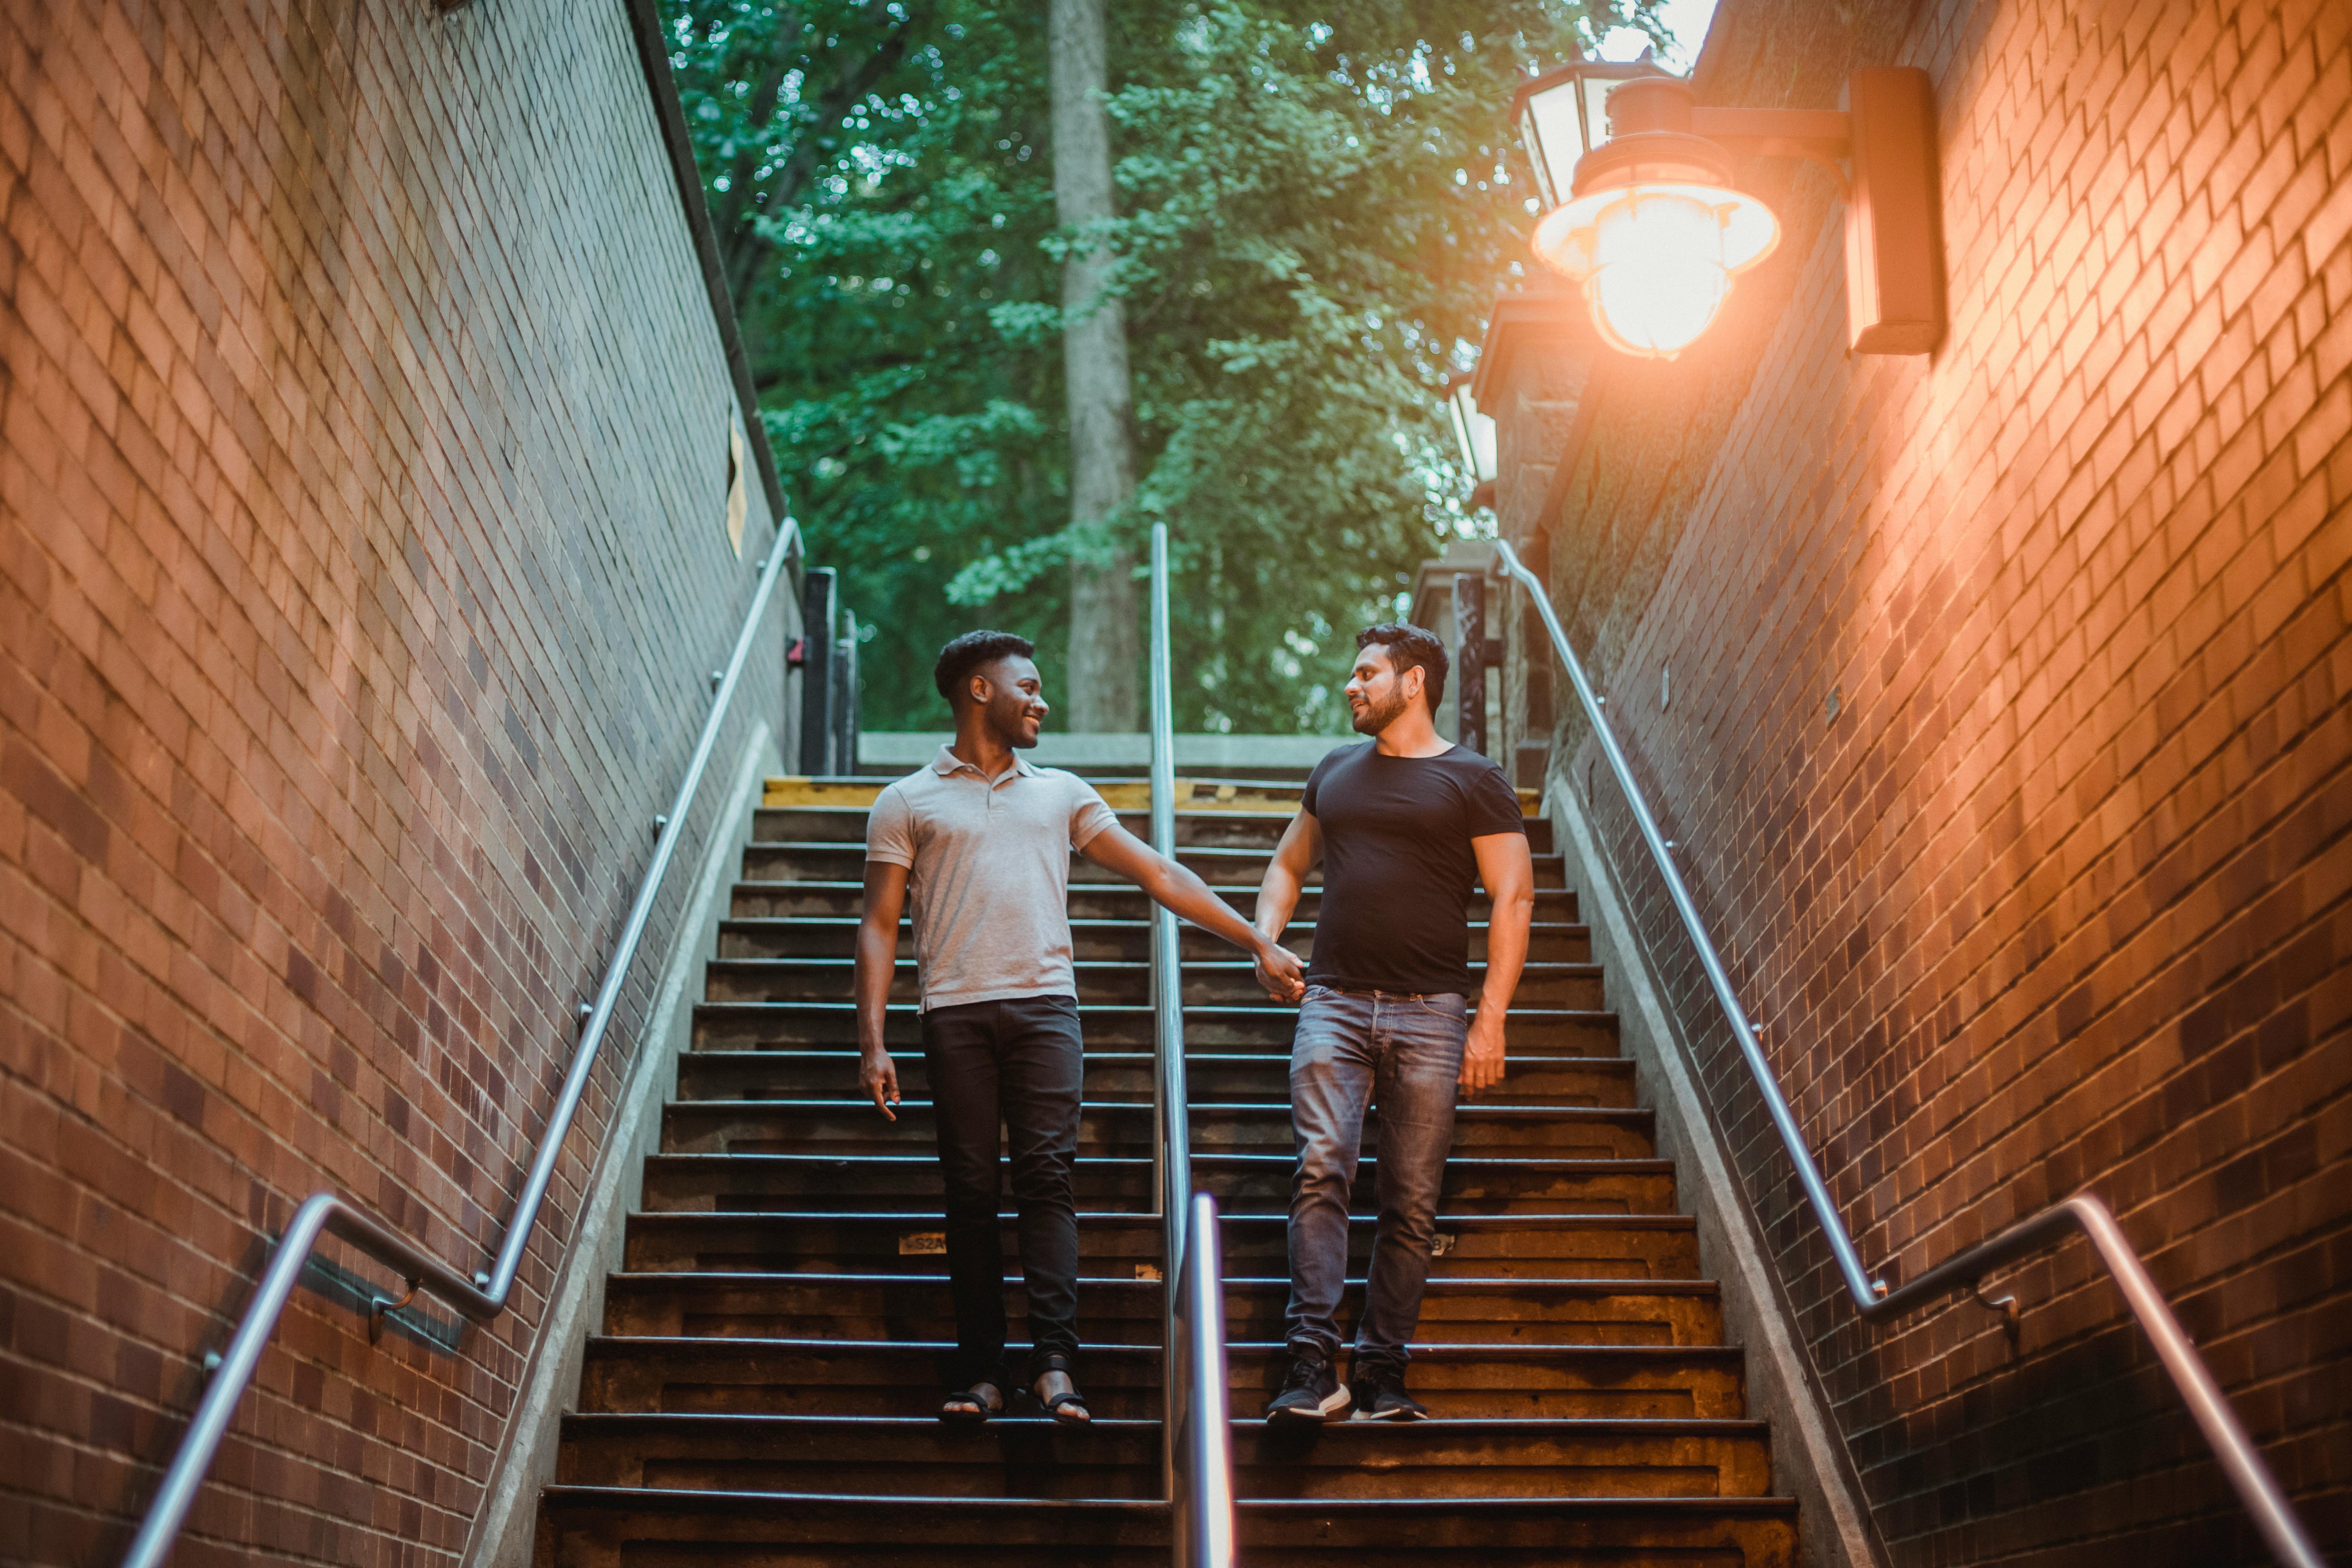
{"points": [[1106, 613]]}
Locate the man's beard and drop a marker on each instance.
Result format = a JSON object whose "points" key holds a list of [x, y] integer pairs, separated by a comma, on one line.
{"points": [[1011, 727], [1375, 717]]}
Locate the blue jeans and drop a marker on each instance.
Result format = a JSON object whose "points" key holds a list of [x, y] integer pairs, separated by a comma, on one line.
{"points": [[1355, 1048]]}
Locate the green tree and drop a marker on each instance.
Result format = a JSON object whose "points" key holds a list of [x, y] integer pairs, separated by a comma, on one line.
{"points": [[1315, 207]]}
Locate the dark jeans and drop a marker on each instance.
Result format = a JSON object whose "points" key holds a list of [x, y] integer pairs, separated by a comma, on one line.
{"points": [[1355, 1048], [1014, 1062]]}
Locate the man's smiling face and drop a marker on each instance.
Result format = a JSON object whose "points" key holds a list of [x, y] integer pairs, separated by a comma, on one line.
{"points": [[1015, 709]]}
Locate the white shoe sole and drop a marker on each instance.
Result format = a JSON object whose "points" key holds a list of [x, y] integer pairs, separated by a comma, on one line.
{"points": [[1294, 1414]]}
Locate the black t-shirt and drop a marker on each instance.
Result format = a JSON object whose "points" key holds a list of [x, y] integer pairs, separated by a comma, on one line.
{"points": [[1398, 868]]}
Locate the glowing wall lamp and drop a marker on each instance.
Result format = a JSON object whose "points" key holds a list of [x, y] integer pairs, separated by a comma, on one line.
{"points": [[1475, 434], [1652, 227]]}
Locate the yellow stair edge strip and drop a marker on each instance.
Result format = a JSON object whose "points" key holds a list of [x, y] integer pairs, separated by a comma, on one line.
{"points": [[1192, 796]]}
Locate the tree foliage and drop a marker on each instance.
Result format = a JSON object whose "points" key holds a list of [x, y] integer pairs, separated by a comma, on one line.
{"points": [[1317, 206]]}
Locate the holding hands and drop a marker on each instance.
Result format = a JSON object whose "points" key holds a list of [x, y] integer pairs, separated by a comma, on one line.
{"points": [[1280, 971]]}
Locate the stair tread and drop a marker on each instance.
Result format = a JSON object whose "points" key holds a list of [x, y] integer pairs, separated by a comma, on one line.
{"points": [[886, 1503], [844, 963], [1367, 1431], [714, 1279], [1531, 1058], [851, 922], [1120, 1218], [1252, 852], [1225, 1107], [851, 885], [1191, 1009], [1479, 1350], [1200, 1159]]}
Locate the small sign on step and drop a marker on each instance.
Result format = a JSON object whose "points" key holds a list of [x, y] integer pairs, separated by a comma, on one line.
{"points": [[1441, 1244], [1147, 1271], [923, 1244]]}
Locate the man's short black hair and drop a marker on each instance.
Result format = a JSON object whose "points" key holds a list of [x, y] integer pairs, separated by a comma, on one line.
{"points": [[1409, 648], [972, 650]]}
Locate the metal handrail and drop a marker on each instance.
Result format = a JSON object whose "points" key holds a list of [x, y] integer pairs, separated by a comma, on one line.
{"points": [[483, 1296], [1195, 1450], [2257, 1490], [1206, 1540]]}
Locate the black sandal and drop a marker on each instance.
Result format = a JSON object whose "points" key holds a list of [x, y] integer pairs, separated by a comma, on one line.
{"points": [[1061, 1405], [972, 1407]]}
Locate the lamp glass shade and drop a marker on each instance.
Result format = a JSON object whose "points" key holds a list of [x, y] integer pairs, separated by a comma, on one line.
{"points": [[1562, 115], [1658, 277], [1551, 128], [1474, 433], [1657, 259]]}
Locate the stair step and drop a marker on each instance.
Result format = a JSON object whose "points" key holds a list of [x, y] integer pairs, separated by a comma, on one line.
{"points": [[1242, 1182], [599, 1527], [914, 1305], [1245, 1183], [815, 860], [844, 895], [903, 1377], [1225, 828], [1211, 1077], [1224, 982], [835, 936], [812, 1126], [1496, 1246], [1031, 1457], [752, 1026]]}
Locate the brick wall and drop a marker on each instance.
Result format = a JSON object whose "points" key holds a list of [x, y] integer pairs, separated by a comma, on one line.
{"points": [[2056, 897], [364, 469]]}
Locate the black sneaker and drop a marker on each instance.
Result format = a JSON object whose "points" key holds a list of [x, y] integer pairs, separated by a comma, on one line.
{"points": [[1311, 1392], [1379, 1395]]}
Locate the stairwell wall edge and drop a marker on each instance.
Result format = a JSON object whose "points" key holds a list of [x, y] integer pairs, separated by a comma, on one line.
{"points": [[1809, 1460], [505, 1525]]}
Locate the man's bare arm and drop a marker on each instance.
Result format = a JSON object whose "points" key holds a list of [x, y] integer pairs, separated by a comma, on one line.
{"points": [[1286, 874], [878, 962], [1508, 871], [1181, 891]]}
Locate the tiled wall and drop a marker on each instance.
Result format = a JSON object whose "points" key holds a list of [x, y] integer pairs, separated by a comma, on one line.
{"points": [[363, 471], [2057, 896]]}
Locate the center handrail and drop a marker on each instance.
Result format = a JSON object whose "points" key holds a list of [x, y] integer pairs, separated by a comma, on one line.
{"points": [[1195, 1450], [485, 1295], [2256, 1488]]}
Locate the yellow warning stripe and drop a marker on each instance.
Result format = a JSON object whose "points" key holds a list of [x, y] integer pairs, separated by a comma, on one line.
{"points": [[1193, 797]]}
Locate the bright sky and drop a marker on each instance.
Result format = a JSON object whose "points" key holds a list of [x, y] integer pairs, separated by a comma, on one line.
{"points": [[1686, 20]]}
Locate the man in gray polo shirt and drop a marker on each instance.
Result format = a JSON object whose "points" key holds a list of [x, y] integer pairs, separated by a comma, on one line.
{"points": [[982, 839]]}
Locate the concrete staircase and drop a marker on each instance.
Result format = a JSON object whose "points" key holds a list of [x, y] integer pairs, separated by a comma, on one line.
{"points": [[763, 1391]]}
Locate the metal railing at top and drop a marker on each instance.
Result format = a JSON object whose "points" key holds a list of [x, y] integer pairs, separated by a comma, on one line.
{"points": [[2282, 1532], [483, 1296], [1196, 1457]]}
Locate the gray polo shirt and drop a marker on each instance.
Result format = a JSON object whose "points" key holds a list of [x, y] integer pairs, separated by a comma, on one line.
{"points": [[989, 871]]}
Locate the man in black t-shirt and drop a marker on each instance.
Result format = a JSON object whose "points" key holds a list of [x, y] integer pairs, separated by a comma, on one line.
{"points": [[1406, 824]]}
